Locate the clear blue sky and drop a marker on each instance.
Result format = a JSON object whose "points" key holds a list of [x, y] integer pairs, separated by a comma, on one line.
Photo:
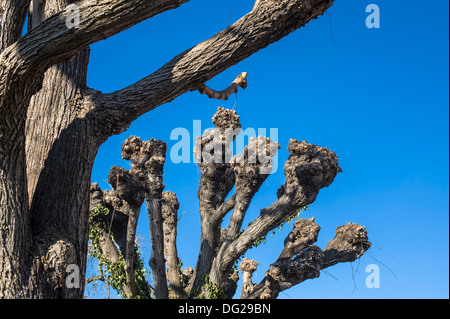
{"points": [[377, 97]]}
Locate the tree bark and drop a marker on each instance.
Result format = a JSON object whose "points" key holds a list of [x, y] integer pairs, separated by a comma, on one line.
{"points": [[157, 261], [15, 228], [12, 18], [169, 211], [154, 168], [59, 142]]}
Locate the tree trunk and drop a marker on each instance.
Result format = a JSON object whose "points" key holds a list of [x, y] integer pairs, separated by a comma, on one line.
{"points": [[14, 220], [60, 143]]}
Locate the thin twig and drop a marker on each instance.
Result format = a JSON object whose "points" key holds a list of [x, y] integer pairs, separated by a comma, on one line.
{"points": [[383, 265], [330, 274], [331, 28]]}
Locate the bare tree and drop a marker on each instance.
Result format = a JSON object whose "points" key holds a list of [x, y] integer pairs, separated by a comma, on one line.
{"points": [[308, 169], [52, 124]]}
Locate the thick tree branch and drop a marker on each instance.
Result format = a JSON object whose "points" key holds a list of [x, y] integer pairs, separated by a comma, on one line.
{"points": [[252, 168], [268, 22], [23, 63], [118, 217], [226, 207], [303, 234], [127, 185], [12, 18], [284, 275], [54, 41]]}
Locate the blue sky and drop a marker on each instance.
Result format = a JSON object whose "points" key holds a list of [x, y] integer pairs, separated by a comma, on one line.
{"points": [[376, 97]]}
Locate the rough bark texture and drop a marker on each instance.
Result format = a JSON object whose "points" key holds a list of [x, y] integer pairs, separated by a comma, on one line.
{"points": [[248, 267], [51, 124], [170, 206]]}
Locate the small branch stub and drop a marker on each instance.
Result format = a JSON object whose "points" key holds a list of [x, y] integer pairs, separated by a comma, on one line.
{"points": [[240, 81]]}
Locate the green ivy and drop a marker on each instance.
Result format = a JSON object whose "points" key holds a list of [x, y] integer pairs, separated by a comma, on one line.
{"points": [[183, 279], [295, 215], [209, 290], [116, 271]]}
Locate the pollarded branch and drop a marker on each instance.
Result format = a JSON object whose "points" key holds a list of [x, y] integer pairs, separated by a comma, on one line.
{"points": [[303, 234], [127, 185], [308, 169], [169, 209], [213, 154], [145, 181], [284, 275], [252, 168], [130, 188], [248, 267], [301, 260], [148, 160], [116, 221], [350, 243], [240, 81]]}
